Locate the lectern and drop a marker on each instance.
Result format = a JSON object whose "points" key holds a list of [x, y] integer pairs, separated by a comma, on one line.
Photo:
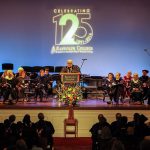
{"points": [[70, 79]]}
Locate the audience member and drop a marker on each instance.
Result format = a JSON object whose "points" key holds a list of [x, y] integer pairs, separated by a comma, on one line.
{"points": [[45, 130]]}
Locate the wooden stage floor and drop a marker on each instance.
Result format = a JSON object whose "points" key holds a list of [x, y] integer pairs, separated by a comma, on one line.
{"points": [[87, 104]]}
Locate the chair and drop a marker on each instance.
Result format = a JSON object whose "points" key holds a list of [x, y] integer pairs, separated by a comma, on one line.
{"points": [[71, 121], [37, 68], [51, 68], [58, 68], [27, 68], [7, 66]]}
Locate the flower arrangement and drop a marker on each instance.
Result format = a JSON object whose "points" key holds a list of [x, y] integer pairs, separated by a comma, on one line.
{"points": [[70, 94]]}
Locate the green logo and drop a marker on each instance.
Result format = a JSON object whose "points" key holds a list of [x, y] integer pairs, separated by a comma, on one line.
{"points": [[72, 31]]}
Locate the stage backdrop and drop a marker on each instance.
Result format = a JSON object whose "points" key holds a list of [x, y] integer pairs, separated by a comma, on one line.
{"points": [[113, 35]]}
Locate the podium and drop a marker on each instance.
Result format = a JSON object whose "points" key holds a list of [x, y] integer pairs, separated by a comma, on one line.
{"points": [[69, 78], [72, 92]]}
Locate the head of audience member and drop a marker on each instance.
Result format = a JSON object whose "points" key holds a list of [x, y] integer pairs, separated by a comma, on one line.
{"points": [[100, 116], [42, 72], [21, 145], [102, 119], [136, 117], [46, 71], [110, 76], [129, 74], [69, 63], [41, 116], [145, 145], [26, 119], [12, 118], [135, 76], [118, 116], [117, 76], [145, 72]]}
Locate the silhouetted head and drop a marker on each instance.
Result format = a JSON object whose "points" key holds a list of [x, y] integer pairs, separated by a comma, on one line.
{"points": [[12, 118], [26, 119], [118, 116], [41, 116]]}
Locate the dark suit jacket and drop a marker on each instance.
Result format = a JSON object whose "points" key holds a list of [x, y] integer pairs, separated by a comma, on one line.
{"points": [[73, 69]]}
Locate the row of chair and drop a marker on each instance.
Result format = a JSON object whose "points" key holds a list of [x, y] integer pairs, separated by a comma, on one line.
{"points": [[9, 66]]}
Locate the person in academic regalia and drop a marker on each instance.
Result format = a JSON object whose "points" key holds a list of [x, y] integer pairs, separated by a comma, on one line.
{"points": [[144, 79], [127, 82], [148, 94], [40, 88], [49, 81], [22, 80], [109, 86], [9, 87], [19, 73], [118, 87], [136, 89], [70, 68], [1, 87]]}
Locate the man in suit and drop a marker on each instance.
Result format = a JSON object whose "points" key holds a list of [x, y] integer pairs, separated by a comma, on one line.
{"points": [[70, 68]]}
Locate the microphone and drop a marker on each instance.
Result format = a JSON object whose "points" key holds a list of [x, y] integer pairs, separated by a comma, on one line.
{"points": [[84, 59]]}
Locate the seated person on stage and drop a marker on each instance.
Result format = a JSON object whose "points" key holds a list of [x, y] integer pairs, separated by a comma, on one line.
{"points": [[49, 81], [144, 79], [22, 79], [118, 87], [148, 94], [0, 87], [136, 89], [9, 87], [40, 88], [1, 79], [127, 82], [109, 86], [70, 68], [20, 71]]}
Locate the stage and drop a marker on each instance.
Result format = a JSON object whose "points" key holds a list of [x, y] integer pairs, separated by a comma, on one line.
{"points": [[86, 112], [86, 104]]}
